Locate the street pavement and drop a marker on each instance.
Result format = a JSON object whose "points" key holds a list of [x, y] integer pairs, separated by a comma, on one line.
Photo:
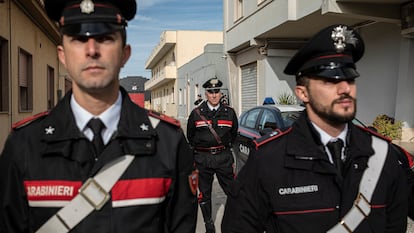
{"points": [[219, 200]]}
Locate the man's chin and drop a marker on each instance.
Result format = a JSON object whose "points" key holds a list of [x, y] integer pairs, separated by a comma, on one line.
{"points": [[343, 118]]}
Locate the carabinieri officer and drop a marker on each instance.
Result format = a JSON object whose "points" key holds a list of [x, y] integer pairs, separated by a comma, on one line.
{"points": [[96, 162], [324, 174], [211, 130]]}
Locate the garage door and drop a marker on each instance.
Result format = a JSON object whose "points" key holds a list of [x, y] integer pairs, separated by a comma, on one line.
{"points": [[248, 86]]}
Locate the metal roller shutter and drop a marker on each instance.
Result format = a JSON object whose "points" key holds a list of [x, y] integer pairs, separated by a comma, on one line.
{"points": [[248, 86]]}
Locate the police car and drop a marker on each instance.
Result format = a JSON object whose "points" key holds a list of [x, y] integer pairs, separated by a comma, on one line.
{"points": [[259, 121]]}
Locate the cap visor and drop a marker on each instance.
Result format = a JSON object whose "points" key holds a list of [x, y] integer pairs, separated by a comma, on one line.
{"points": [[339, 73], [90, 29]]}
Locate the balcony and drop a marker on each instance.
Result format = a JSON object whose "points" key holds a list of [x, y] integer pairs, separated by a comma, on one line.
{"points": [[167, 42], [284, 25], [167, 74]]}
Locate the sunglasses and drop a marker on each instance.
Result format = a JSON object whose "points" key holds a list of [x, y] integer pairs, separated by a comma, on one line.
{"points": [[211, 91]]}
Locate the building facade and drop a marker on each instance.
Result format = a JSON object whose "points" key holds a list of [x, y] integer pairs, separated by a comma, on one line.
{"points": [[135, 86], [192, 75], [262, 35], [30, 77], [174, 49]]}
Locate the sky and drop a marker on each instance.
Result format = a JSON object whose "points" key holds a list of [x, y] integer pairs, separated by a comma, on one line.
{"points": [[155, 16]]}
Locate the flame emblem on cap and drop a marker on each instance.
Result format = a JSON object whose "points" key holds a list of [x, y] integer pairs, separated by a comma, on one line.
{"points": [[87, 6], [342, 36]]}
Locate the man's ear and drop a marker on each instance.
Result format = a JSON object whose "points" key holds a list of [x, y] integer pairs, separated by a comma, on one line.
{"points": [[61, 54], [126, 54], [302, 93]]}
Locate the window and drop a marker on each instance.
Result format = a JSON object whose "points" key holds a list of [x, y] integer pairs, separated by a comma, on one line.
{"points": [[173, 59], [268, 120], [249, 119], [180, 97], [25, 81], [4, 76], [238, 9], [50, 87], [172, 96]]}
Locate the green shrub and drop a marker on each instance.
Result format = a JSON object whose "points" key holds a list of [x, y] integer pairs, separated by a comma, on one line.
{"points": [[388, 127], [286, 99]]}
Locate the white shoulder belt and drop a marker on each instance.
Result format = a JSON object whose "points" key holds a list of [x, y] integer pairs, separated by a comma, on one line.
{"points": [[362, 207], [93, 195]]}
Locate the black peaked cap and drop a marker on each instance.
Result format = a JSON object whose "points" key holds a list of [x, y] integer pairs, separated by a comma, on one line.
{"points": [[331, 53], [90, 17]]}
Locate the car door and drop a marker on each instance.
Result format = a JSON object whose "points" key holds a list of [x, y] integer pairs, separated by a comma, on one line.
{"points": [[248, 130]]}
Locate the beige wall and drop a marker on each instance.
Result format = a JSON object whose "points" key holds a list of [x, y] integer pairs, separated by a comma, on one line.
{"points": [[188, 45], [21, 32]]}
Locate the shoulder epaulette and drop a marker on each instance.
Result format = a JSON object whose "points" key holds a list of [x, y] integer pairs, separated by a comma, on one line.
{"points": [[269, 137], [375, 133], [227, 106], [164, 118], [29, 120], [408, 156]]}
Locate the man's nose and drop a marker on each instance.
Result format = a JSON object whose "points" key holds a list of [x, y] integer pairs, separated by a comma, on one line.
{"points": [[344, 87], [92, 47]]}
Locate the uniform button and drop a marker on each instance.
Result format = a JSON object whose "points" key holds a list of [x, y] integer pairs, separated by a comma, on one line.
{"points": [[337, 207]]}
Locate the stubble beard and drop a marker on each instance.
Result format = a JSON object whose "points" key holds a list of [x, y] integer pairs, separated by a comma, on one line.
{"points": [[329, 115]]}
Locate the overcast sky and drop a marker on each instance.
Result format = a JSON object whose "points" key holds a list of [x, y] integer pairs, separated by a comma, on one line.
{"points": [[156, 16]]}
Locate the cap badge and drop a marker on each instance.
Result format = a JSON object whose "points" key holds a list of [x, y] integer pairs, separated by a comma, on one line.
{"points": [[342, 36], [87, 6], [214, 82]]}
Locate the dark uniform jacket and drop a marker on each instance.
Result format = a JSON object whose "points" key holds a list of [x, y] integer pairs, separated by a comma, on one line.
{"points": [[290, 186], [46, 161], [224, 122]]}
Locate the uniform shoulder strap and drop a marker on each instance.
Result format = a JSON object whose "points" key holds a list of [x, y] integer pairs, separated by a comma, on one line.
{"points": [[155, 117], [215, 134], [362, 204], [29, 120], [404, 157], [374, 133], [92, 196]]}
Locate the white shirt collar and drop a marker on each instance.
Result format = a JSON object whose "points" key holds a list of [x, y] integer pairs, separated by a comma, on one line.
{"points": [[110, 117], [211, 106], [325, 137]]}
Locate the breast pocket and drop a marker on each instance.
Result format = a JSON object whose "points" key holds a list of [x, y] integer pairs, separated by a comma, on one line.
{"points": [[298, 208], [304, 193]]}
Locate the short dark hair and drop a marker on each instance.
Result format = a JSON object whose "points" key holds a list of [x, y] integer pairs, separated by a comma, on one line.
{"points": [[302, 81]]}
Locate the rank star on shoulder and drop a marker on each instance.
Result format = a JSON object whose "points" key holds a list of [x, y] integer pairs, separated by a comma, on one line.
{"points": [[144, 127], [49, 130]]}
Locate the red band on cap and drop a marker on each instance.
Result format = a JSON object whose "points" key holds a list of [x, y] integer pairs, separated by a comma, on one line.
{"points": [[331, 56]]}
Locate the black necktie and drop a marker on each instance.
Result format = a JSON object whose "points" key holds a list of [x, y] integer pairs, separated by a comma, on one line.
{"points": [[335, 148], [96, 125]]}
